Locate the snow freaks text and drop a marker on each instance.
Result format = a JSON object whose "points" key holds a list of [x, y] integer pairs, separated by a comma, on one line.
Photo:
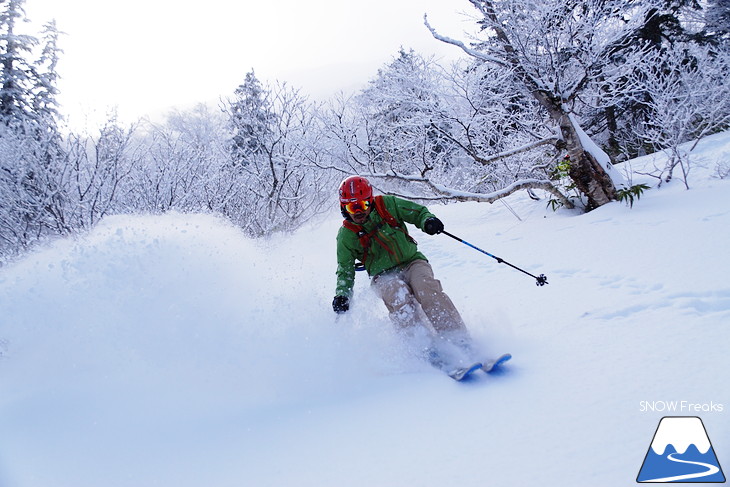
{"points": [[680, 407]]}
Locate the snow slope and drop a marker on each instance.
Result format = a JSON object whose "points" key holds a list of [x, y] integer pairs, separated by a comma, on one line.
{"points": [[170, 350]]}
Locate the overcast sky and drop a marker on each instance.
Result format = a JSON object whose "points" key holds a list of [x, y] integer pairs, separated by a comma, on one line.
{"points": [[147, 56]]}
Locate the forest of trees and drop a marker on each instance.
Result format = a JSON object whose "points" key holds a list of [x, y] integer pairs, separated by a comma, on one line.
{"points": [[600, 81]]}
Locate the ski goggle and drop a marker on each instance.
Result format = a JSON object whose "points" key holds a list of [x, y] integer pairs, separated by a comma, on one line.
{"points": [[357, 206]]}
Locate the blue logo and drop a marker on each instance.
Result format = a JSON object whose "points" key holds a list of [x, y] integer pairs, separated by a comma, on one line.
{"points": [[681, 452]]}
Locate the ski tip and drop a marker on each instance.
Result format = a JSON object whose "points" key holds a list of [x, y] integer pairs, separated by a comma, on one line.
{"points": [[491, 365], [462, 373]]}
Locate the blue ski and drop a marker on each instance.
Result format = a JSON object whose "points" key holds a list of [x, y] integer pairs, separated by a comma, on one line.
{"points": [[462, 373], [459, 373], [492, 365], [455, 372]]}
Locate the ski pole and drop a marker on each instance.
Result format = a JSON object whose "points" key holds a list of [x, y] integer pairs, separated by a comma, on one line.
{"points": [[541, 280]]}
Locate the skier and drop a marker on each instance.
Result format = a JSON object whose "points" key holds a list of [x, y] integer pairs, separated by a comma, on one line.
{"points": [[374, 233]]}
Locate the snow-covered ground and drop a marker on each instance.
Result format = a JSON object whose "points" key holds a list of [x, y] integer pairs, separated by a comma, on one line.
{"points": [[172, 351]]}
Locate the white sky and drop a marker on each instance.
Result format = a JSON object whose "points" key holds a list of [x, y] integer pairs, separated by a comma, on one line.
{"points": [[148, 56]]}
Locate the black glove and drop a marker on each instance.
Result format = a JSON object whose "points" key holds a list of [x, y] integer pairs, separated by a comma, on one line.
{"points": [[341, 304], [433, 226]]}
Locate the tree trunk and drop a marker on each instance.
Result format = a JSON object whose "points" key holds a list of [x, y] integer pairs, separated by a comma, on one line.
{"points": [[588, 175], [585, 171]]}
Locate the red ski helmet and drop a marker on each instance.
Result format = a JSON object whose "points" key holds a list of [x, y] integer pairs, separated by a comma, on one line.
{"points": [[356, 194]]}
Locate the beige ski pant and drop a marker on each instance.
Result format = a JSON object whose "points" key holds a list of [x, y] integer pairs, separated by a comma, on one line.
{"points": [[403, 289]]}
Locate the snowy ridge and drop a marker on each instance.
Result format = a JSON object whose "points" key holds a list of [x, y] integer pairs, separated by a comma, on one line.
{"points": [[171, 350]]}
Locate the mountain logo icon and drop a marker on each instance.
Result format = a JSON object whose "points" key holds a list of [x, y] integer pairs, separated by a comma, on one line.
{"points": [[681, 452]]}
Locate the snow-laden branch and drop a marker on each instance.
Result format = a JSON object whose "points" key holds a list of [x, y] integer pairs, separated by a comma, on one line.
{"points": [[444, 193], [518, 150], [471, 52]]}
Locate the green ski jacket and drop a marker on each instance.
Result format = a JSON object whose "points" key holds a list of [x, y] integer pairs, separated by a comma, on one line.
{"points": [[389, 247]]}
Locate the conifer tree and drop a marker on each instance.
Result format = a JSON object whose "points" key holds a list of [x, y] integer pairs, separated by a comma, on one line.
{"points": [[16, 72], [251, 118], [45, 105], [31, 161]]}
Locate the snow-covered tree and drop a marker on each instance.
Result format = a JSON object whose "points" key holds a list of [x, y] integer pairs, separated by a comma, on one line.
{"points": [[31, 158], [503, 133], [667, 26], [27, 78], [421, 131], [98, 172], [45, 105], [272, 128], [251, 117], [16, 70], [554, 50], [687, 93], [186, 164], [717, 21], [399, 110], [32, 202]]}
